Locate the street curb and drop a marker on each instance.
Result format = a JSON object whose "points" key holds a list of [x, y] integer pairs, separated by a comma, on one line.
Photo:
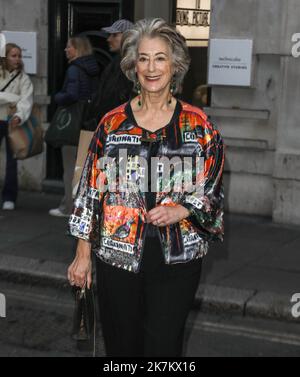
{"points": [[247, 303], [220, 299], [209, 298], [33, 271]]}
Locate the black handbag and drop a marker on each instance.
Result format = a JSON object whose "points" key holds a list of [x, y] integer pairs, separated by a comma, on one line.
{"points": [[84, 321], [66, 124]]}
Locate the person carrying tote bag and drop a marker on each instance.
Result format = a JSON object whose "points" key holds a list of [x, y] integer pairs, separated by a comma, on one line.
{"points": [[27, 140], [16, 100], [66, 124], [79, 86]]}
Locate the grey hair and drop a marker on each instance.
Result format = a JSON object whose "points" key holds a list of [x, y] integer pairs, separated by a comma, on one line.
{"points": [[153, 28]]}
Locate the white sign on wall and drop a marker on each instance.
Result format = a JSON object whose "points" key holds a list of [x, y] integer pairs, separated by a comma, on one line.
{"points": [[2, 306], [28, 43], [230, 62], [2, 45]]}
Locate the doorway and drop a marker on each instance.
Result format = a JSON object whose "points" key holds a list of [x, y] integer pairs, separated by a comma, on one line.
{"points": [[71, 17]]}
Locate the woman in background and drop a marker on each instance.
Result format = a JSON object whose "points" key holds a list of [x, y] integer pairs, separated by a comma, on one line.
{"points": [[16, 99], [80, 84]]}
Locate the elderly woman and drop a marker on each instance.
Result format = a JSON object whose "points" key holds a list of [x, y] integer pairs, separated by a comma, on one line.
{"points": [[148, 243]]}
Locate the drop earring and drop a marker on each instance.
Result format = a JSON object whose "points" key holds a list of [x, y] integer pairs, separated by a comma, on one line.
{"points": [[138, 89], [172, 90]]}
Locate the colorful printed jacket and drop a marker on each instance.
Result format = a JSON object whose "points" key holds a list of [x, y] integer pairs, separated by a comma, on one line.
{"points": [[114, 221]]}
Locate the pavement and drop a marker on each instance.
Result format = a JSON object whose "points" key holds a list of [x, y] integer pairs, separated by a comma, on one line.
{"points": [[253, 273]]}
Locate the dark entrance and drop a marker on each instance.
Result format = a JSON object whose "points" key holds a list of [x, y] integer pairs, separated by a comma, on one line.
{"points": [[67, 18]]}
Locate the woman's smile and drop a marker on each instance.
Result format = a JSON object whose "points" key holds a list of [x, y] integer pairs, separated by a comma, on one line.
{"points": [[153, 78]]}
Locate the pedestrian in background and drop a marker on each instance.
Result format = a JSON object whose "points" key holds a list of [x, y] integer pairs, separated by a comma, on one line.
{"points": [[16, 100], [200, 96], [115, 88], [81, 83], [149, 243]]}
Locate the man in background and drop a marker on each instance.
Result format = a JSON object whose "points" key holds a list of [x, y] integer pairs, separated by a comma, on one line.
{"points": [[115, 88]]}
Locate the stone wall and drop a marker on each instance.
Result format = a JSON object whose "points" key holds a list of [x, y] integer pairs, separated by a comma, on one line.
{"points": [[261, 124]]}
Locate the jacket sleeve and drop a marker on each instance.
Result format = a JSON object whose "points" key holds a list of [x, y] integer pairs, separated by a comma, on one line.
{"points": [[8, 98], [24, 105], [85, 218], [70, 92], [206, 205]]}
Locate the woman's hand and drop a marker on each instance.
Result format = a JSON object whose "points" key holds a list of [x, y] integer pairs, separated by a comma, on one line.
{"points": [[164, 215], [80, 271], [15, 121]]}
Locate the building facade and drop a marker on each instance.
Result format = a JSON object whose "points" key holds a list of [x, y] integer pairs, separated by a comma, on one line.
{"points": [[259, 122]]}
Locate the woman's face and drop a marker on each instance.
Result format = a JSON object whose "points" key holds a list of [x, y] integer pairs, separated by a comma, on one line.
{"points": [[154, 65], [71, 52], [14, 59]]}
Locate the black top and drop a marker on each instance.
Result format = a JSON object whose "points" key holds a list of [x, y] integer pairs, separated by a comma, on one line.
{"points": [[154, 140], [114, 89], [81, 81]]}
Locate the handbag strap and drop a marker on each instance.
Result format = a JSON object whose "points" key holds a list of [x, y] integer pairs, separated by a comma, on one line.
{"points": [[95, 324], [10, 81]]}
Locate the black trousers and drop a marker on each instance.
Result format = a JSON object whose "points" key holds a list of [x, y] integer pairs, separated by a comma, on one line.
{"points": [[10, 188], [144, 314]]}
